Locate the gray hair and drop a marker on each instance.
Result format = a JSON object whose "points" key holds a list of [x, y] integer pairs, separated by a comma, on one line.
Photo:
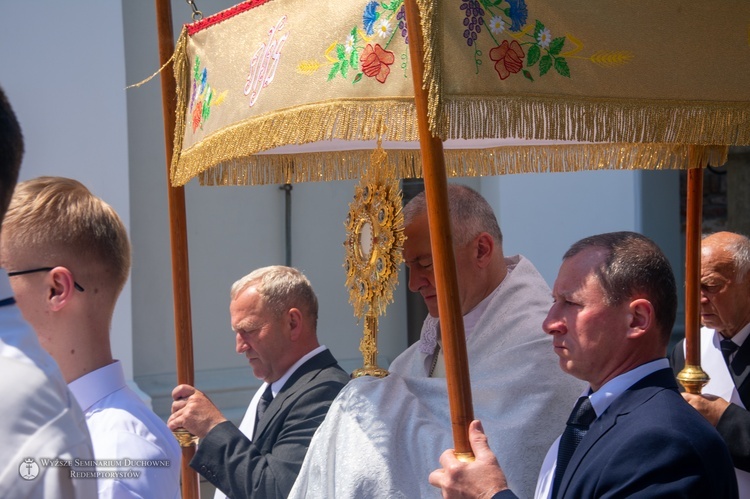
{"points": [[470, 214], [282, 288], [740, 249]]}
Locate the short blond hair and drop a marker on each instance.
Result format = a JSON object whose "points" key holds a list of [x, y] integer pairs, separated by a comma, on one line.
{"points": [[60, 215]]}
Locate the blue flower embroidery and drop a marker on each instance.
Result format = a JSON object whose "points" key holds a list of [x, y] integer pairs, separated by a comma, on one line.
{"points": [[518, 12], [204, 78], [370, 16]]}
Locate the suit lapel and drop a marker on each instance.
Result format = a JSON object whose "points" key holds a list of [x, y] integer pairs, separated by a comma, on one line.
{"points": [[740, 371], [630, 399], [296, 381]]}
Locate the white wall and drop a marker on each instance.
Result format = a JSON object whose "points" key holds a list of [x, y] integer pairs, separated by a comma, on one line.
{"points": [[541, 215], [64, 75]]}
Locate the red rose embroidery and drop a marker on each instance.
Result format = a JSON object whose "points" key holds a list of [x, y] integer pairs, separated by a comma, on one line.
{"points": [[197, 115], [508, 57], [375, 62]]}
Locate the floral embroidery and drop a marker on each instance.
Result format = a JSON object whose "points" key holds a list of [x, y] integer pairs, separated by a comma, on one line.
{"points": [[544, 38], [203, 97], [509, 54], [383, 28], [364, 51], [497, 25], [370, 16], [509, 58], [375, 62], [518, 13], [523, 45]]}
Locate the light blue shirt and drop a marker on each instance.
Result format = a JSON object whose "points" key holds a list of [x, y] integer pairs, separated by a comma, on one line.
{"points": [[600, 401]]}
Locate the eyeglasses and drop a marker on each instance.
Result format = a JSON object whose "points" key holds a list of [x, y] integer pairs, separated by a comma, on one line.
{"points": [[41, 269]]}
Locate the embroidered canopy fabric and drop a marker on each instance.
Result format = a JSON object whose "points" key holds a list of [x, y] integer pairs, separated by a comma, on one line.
{"points": [[290, 90]]}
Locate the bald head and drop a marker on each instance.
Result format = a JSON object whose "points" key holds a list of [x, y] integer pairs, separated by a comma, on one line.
{"points": [[725, 282]]}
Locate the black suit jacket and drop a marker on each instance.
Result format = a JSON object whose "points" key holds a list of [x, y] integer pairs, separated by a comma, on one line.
{"points": [[268, 466], [734, 425], [649, 443]]}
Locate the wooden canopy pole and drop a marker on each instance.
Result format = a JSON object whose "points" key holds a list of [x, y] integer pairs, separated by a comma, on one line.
{"points": [[441, 239], [178, 236], [692, 377]]}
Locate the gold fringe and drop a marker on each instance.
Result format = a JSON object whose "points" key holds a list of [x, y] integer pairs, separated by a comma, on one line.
{"points": [[329, 166], [602, 120], [182, 82], [433, 56], [678, 123], [360, 119], [675, 123]]}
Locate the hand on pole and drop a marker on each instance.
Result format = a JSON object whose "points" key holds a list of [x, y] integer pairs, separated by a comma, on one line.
{"points": [[710, 406], [194, 411], [481, 478]]}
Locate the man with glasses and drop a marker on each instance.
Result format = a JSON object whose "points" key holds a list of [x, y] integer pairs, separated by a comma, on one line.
{"points": [[725, 349], [40, 416], [67, 254]]}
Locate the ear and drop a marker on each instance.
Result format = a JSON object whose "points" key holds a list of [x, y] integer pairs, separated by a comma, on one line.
{"points": [[294, 318], [642, 317], [61, 288], [485, 246]]}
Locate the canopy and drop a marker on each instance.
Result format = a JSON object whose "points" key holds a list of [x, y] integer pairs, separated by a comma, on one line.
{"points": [[259, 83], [292, 91]]}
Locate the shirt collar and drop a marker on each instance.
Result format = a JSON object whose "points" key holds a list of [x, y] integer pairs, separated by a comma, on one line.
{"points": [[94, 386], [277, 385], [740, 337], [604, 396]]}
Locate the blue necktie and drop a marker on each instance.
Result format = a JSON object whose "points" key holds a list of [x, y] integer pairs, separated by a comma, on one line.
{"points": [[263, 403], [578, 424]]}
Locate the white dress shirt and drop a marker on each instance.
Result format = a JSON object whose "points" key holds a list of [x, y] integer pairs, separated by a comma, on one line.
{"points": [[247, 426], [739, 339], [721, 383], [40, 418], [125, 431], [600, 401]]}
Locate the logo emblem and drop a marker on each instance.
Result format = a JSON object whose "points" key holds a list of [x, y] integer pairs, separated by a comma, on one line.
{"points": [[28, 470]]}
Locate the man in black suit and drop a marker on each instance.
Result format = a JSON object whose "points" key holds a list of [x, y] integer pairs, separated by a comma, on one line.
{"points": [[725, 313], [274, 314], [614, 307]]}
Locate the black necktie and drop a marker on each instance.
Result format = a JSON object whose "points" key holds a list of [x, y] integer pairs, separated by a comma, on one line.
{"points": [[578, 424], [728, 347], [263, 403]]}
